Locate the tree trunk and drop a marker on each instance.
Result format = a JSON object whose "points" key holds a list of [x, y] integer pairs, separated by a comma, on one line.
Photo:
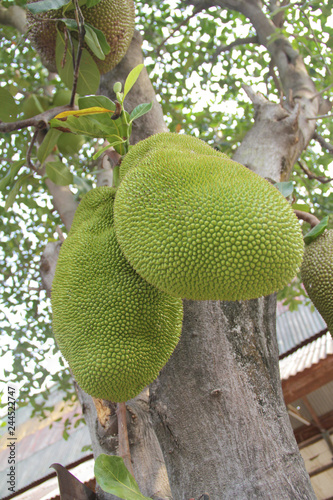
{"points": [[218, 407]]}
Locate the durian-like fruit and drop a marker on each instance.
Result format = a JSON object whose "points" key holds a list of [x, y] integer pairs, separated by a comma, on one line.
{"points": [[200, 226], [317, 275], [115, 18], [115, 330]]}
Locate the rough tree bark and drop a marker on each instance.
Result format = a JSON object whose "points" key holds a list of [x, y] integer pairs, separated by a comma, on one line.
{"points": [[217, 408]]}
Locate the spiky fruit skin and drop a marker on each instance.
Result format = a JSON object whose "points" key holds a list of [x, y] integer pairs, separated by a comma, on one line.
{"points": [[115, 18], [204, 227], [115, 330], [317, 275], [165, 140]]}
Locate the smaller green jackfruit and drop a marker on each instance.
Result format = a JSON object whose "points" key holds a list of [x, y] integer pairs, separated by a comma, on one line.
{"points": [[115, 330], [115, 18], [317, 275]]}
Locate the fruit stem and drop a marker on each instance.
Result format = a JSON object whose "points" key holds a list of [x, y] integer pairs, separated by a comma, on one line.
{"points": [[123, 443], [311, 219]]}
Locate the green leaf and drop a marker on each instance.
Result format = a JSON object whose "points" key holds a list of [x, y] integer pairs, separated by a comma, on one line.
{"points": [[132, 78], [59, 173], [112, 143], [286, 188], [89, 76], [140, 110], [92, 41], [45, 5], [102, 39], [96, 100], [21, 181], [316, 231], [71, 24], [48, 144], [84, 125], [113, 477], [8, 108], [304, 207], [11, 174], [92, 3]]}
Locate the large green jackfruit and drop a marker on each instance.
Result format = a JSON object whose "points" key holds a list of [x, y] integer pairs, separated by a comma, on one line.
{"points": [[115, 18], [166, 140], [115, 330], [201, 226], [317, 275]]}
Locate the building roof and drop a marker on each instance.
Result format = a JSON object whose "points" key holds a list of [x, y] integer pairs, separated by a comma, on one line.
{"points": [[293, 328], [306, 356]]}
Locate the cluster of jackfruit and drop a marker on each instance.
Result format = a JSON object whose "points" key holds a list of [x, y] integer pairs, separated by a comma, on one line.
{"points": [[185, 222], [317, 275], [115, 18]]}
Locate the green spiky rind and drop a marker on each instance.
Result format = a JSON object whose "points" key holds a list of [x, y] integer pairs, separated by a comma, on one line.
{"points": [[317, 275], [205, 227], [115, 330], [184, 144], [115, 18]]}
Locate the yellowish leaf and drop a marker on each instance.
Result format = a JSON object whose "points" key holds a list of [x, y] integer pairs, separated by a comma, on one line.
{"points": [[83, 112]]}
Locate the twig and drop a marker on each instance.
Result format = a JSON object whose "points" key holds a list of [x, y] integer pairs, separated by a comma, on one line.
{"points": [[124, 449], [239, 41], [76, 63], [320, 116], [320, 178], [60, 234], [31, 145], [177, 28], [324, 144], [321, 92], [39, 121], [311, 219]]}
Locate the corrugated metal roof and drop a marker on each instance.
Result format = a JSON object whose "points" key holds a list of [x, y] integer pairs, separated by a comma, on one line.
{"points": [[306, 356], [293, 328]]}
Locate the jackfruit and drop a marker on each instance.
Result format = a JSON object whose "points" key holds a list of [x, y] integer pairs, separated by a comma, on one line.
{"points": [[165, 140], [317, 275], [201, 226], [115, 330], [115, 18]]}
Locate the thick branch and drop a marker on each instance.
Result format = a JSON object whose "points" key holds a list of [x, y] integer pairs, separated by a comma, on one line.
{"points": [[14, 16], [311, 219], [235, 43], [39, 121]]}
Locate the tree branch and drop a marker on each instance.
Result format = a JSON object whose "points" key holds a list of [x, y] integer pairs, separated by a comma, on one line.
{"points": [[324, 144], [14, 16], [320, 178], [39, 121], [310, 218], [235, 43], [177, 28]]}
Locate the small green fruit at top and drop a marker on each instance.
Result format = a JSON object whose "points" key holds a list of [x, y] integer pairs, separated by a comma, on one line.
{"points": [[117, 87], [115, 18], [200, 226], [115, 330], [317, 275]]}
